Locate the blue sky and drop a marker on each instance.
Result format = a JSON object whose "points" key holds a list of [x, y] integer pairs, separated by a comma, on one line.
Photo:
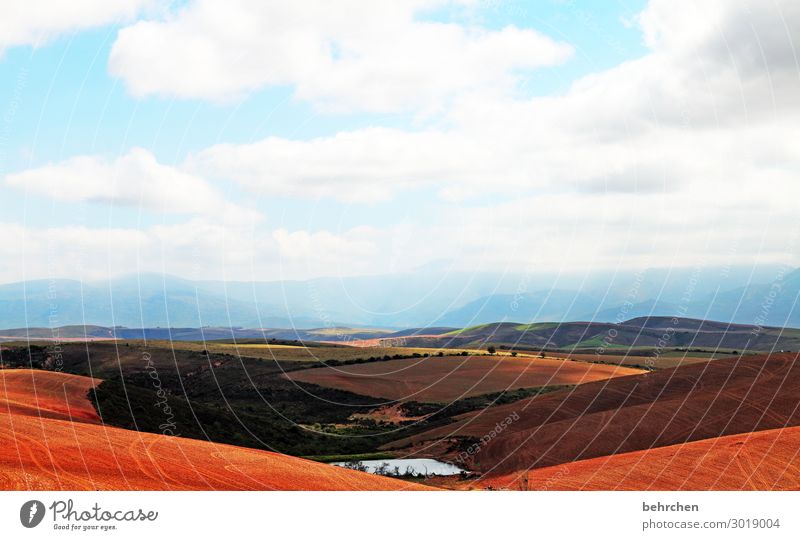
{"points": [[68, 103], [391, 139]]}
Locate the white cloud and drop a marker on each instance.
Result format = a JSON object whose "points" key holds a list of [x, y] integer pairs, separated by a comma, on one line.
{"points": [[697, 135], [362, 166], [374, 56], [201, 248], [34, 22], [135, 179], [682, 117], [686, 154]]}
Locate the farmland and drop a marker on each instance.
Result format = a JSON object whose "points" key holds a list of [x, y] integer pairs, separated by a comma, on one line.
{"points": [[763, 460], [286, 351], [436, 379], [617, 419], [629, 414], [58, 453]]}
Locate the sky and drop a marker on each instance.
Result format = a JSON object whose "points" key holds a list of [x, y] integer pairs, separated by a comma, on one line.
{"points": [[256, 140]]}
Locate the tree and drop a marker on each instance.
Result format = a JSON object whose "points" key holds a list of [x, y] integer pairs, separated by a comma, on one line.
{"points": [[491, 349]]}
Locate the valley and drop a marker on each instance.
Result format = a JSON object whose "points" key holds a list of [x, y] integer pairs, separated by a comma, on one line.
{"points": [[506, 405]]}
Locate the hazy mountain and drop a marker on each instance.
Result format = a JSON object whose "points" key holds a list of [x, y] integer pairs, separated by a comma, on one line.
{"points": [[709, 294], [556, 305], [421, 299]]}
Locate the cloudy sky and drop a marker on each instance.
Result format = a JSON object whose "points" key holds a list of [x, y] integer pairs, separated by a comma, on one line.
{"points": [[258, 140]]}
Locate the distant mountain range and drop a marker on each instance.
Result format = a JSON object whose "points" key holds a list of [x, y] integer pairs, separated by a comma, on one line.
{"points": [[765, 296], [640, 332]]}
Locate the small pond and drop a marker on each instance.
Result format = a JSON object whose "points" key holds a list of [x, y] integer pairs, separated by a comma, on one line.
{"points": [[402, 467]]}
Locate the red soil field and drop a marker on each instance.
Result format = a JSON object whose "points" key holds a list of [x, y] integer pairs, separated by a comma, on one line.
{"points": [[765, 460], [50, 452], [656, 362], [435, 379], [627, 414], [47, 394]]}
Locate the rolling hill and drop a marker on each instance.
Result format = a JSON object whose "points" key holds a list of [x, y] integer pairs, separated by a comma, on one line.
{"points": [[57, 444], [627, 414], [446, 379], [763, 461], [643, 332]]}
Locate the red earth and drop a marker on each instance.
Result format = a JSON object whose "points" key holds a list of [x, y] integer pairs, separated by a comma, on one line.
{"points": [[47, 394], [438, 379], [51, 439], [764, 460], [627, 414]]}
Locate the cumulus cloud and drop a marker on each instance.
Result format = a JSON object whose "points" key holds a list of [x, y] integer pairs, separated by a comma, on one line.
{"points": [[683, 117], [686, 154], [367, 165], [200, 248], [34, 22], [374, 56], [135, 179], [697, 135]]}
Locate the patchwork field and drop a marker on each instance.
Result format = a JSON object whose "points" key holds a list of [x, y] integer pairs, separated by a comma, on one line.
{"points": [[310, 352], [628, 414], [437, 379], [39, 452], [666, 360], [582, 422]]}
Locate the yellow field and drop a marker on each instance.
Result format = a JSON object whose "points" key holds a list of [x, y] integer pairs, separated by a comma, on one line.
{"points": [[298, 353]]}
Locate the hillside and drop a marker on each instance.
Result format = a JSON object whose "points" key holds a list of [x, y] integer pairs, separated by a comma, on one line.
{"points": [[645, 332], [626, 414], [47, 452], [763, 461], [446, 379]]}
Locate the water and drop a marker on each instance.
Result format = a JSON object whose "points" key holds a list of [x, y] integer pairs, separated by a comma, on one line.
{"points": [[402, 467]]}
